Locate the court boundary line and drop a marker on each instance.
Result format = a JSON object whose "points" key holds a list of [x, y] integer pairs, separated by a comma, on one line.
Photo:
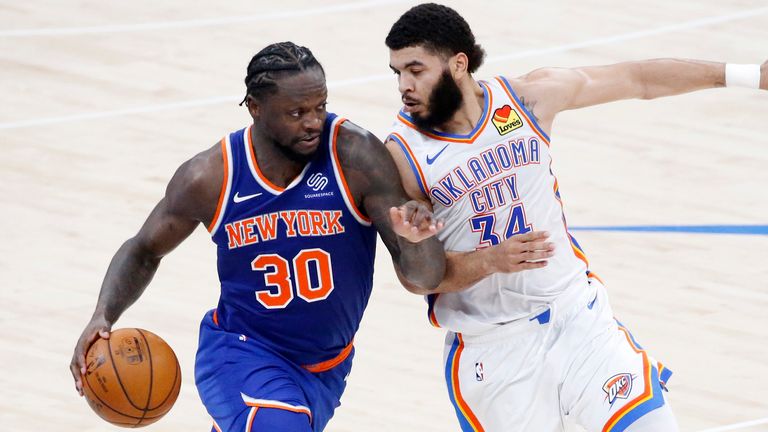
{"points": [[720, 229], [192, 23], [195, 103], [736, 426]]}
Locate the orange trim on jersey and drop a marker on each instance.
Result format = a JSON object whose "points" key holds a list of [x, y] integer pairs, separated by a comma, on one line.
{"points": [[223, 185], [332, 363], [282, 407], [521, 111], [647, 393], [422, 179], [433, 318], [431, 301], [251, 416], [591, 275], [345, 188], [488, 105], [216, 317], [215, 426], [252, 155], [460, 402], [576, 250]]}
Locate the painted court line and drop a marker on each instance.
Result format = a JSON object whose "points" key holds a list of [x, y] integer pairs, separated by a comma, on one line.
{"points": [[686, 229], [737, 426], [211, 22], [634, 35], [374, 78]]}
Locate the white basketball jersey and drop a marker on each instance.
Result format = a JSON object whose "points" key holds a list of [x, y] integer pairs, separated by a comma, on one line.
{"points": [[489, 185]]}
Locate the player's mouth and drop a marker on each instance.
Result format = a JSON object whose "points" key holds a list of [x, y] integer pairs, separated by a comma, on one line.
{"points": [[410, 105], [310, 142]]}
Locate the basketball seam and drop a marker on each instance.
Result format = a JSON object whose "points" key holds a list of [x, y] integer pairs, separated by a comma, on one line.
{"points": [[151, 375], [175, 378], [119, 380], [110, 407]]}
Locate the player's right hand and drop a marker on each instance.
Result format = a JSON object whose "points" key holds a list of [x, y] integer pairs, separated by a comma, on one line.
{"points": [[97, 328], [414, 221], [521, 252]]}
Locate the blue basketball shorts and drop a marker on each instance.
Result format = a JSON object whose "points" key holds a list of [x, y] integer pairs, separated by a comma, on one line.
{"points": [[246, 386]]}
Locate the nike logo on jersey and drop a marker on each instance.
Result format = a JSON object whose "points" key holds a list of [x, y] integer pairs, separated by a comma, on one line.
{"points": [[431, 160], [238, 199]]}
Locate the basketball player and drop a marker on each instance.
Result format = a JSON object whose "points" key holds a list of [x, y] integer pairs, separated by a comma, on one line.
{"points": [[525, 348], [293, 203]]}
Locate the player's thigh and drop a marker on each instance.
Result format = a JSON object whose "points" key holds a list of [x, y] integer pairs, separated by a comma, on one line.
{"points": [[616, 384], [659, 420], [503, 385], [274, 419]]}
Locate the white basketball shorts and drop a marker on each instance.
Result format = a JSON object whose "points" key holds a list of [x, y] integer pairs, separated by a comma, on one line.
{"points": [[574, 359]]}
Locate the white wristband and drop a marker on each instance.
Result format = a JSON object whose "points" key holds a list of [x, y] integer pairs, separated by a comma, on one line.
{"points": [[742, 75]]}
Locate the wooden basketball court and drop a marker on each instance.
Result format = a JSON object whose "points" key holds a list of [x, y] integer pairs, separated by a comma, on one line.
{"points": [[103, 100]]}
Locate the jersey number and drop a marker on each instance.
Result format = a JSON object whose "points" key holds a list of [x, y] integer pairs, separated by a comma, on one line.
{"points": [[486, 226], [278, 277]]}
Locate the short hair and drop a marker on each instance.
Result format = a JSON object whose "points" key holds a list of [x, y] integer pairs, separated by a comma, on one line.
{"points": [[272, 62], [437, 28]]}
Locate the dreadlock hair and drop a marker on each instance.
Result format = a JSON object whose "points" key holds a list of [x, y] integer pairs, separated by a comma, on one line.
{"points": [[438, 29], [273, 61]]}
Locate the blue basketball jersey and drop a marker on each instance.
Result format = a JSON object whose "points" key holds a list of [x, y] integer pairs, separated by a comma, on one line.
{"points": [[295, 263]]}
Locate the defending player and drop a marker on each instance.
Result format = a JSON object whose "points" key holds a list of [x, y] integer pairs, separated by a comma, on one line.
{"points": [[524, 348], [293, 203]]}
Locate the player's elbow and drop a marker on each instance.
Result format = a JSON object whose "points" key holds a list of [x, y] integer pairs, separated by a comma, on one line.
{"points": [[422, 279]]}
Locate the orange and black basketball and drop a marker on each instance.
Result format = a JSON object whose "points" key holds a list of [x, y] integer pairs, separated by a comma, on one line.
{"points": [[132, 379]]}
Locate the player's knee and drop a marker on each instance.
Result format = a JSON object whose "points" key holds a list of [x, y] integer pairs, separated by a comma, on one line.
{"points": [[273, 419]]}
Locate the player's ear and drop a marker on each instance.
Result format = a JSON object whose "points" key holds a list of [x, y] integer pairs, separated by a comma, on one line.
{"points": [[253, 106], [458, 65]]}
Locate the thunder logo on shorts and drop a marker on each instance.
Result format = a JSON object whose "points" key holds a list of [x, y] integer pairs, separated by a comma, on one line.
{"points": [[618, 387]]}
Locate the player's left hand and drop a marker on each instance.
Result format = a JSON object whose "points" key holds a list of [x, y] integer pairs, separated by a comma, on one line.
{"points": [[414, 221], [764, 76]]}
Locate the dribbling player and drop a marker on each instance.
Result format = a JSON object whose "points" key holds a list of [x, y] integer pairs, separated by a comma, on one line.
{"points": [[533, 339], [293, 203]]}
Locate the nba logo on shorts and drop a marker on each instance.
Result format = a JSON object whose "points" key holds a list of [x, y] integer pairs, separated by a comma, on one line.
{"points": [[317, 181], [618, 387], [479, 371]]}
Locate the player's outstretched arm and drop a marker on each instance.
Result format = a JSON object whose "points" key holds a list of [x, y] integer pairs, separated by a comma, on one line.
{"points": [[372, 177], [548, 91], [191, 197], [463, 269]]}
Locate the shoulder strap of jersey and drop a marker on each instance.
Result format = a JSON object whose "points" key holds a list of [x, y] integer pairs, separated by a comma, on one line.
{"points": [[334, 130], [226, 183], [507, 87]]}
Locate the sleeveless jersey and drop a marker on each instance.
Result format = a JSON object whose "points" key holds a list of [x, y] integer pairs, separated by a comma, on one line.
{"points": [[489, 185], [295, 263]]}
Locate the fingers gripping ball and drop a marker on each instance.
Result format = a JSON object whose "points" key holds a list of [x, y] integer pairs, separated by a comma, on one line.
{"points": [[132, 379]]}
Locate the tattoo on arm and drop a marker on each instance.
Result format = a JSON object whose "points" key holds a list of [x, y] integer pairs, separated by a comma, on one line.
{"points": [[374, 181], [529, 104]]}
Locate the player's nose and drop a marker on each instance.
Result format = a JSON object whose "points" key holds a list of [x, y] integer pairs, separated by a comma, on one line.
{"points": [[313, 123], [404, 84]]}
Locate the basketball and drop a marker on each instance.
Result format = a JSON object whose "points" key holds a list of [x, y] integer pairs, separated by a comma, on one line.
{"points": [[132, 379]]}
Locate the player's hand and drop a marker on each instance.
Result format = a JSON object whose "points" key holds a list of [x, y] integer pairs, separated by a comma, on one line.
{"points": [[520, 252], [97, 328], [414, 221], [764, 76]]}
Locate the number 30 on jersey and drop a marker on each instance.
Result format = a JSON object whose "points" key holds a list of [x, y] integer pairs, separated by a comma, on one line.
{"points": [[283, 288]]}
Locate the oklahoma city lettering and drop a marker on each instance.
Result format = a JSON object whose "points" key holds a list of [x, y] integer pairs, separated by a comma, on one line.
{"points": [[476, 177]]}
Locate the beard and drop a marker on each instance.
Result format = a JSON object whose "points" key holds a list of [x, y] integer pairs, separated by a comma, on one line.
{"points": [[295, 156], [444, 101]]}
